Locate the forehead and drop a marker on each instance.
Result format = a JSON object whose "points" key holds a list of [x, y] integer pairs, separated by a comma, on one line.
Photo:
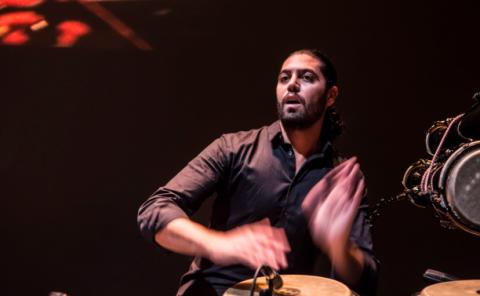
{"points": [[301, 61]]}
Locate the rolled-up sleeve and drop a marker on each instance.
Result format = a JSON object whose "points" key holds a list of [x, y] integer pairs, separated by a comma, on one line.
{"points": [[184, 194]]}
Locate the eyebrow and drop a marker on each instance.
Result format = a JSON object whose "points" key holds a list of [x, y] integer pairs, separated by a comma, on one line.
{"points": [[301, 70]]}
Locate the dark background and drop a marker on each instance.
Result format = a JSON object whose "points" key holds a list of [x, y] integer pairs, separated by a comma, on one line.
{"points": [[87, 133]]}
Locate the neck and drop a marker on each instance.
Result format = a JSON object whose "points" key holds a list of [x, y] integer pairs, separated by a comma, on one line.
{"points": [[304, 141]]}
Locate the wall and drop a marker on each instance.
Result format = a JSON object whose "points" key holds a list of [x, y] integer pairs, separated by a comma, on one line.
{"points": [[88, 134]]}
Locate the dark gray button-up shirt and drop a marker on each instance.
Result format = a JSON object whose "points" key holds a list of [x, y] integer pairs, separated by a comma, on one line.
{"points": [[253, 176]]}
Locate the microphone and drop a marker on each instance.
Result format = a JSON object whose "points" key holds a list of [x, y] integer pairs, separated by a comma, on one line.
{"points": [[274, 281], [273, 278]]}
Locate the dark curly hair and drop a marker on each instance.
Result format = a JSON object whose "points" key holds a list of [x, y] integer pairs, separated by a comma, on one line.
{"points": [[333, 124]]}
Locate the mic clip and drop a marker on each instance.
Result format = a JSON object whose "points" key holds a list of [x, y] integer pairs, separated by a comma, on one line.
{"points": [[274, 281]]}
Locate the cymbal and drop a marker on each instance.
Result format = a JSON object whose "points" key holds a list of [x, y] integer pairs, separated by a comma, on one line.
{"points": [[294, 285], [463, 287]]}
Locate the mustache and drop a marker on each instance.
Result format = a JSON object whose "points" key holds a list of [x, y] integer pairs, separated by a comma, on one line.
{"points": [[292, 97]]}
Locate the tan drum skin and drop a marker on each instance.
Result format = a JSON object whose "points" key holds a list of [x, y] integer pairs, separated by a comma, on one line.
{"points": [[453, 288], [298, 285]]}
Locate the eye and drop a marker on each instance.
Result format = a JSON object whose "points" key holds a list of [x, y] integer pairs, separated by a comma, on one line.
{"points": [[283, 78], [309, 77]]}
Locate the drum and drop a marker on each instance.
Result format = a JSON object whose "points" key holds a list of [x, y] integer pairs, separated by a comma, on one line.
{"points": [[301, 285], [455, 187], [459, 181], [460, 288]]}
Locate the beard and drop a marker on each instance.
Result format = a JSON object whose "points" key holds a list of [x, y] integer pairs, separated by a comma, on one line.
{"points": [[302, 116]]}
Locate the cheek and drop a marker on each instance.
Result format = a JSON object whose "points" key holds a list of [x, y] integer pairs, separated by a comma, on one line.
{"points": [[279, 91], [315, 92]]}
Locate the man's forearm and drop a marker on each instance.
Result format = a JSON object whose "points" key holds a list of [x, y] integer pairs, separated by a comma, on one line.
{"points": [[251, 245], [186, 237], [348, 264]]}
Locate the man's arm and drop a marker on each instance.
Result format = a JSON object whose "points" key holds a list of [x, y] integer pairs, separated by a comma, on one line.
{"points": [[163, 218], [185, 192], [251, 245], [361, 236], [331, 207]]}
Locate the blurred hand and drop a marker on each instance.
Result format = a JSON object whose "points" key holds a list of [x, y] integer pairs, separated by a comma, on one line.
{"points": [[251, 245], [331, 205]]}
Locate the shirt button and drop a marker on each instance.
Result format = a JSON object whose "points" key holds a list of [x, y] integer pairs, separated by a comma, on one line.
{"points": [[290, 153]]}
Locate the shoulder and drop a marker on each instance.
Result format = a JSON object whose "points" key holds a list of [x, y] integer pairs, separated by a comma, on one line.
{"points": [[236, 140]]}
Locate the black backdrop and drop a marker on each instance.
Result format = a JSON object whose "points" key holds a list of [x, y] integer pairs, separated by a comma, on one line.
{"points": [[87, 134]]}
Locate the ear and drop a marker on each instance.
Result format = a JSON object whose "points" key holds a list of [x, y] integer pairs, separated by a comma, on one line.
{"points": [[332, 96]]}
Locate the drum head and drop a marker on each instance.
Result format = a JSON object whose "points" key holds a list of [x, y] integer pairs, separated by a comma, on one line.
{"points": [[465, 287], [462, 184], [301, 285]]}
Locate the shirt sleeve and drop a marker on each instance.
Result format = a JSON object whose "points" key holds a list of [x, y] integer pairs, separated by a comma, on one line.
{"points": [[184, 194], [361, 235]]}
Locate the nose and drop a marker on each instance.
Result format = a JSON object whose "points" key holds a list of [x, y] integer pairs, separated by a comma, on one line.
{"points": [[293, 85]]}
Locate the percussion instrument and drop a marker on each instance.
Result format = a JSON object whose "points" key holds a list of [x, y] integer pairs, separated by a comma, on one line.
{"points": [[453, 288], [293, 285], [455, 187]]}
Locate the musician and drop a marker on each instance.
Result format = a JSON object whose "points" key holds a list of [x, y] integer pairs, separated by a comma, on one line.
{"points": [[283, 195]]}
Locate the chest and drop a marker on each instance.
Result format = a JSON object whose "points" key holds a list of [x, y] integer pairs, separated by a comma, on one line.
{"points": [[271, 184]]}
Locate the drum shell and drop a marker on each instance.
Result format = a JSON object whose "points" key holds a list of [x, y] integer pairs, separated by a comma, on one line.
{"points": [[459, 173]]}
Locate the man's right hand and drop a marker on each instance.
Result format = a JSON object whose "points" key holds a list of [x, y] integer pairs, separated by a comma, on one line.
{"points": [[251, 245]]}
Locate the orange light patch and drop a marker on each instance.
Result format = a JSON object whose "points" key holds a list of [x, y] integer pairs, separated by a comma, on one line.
{"points": [[70, 32]]}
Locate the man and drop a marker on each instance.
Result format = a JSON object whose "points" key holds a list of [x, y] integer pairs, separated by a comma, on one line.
{"points": [[281, 198]]}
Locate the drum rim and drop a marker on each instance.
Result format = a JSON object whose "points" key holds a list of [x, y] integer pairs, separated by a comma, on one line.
{"points": [[448, 202], [445, 283], [302, 275]]}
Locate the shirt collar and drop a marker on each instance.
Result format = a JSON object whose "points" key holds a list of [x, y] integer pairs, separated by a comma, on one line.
{"points": [[274, 131], [275, 134]]}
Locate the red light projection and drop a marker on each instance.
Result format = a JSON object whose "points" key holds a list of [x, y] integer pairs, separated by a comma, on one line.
{"points": [[70, 31], [20, 3], [17, 37], [21, 18], [13, 26], [21, 23]]}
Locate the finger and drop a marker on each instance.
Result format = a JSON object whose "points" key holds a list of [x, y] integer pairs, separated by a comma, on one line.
{"points": [[268, 257], [263, 226], [346, 165], [338, 199], [268, 253], [355, 172], [264, 221], [253, 261], [272, 241], [265, 232], [275, 246], [281, 239], [341, 196], [283, 262], [314, 197], [322, 189], [359, 192], [253, 252], [350, 183], [350, 209], [340, 170], [275, 255], [343, 168]]}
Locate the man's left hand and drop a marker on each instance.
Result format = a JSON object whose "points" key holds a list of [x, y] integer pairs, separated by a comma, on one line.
{"points": [[331, 205]]}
